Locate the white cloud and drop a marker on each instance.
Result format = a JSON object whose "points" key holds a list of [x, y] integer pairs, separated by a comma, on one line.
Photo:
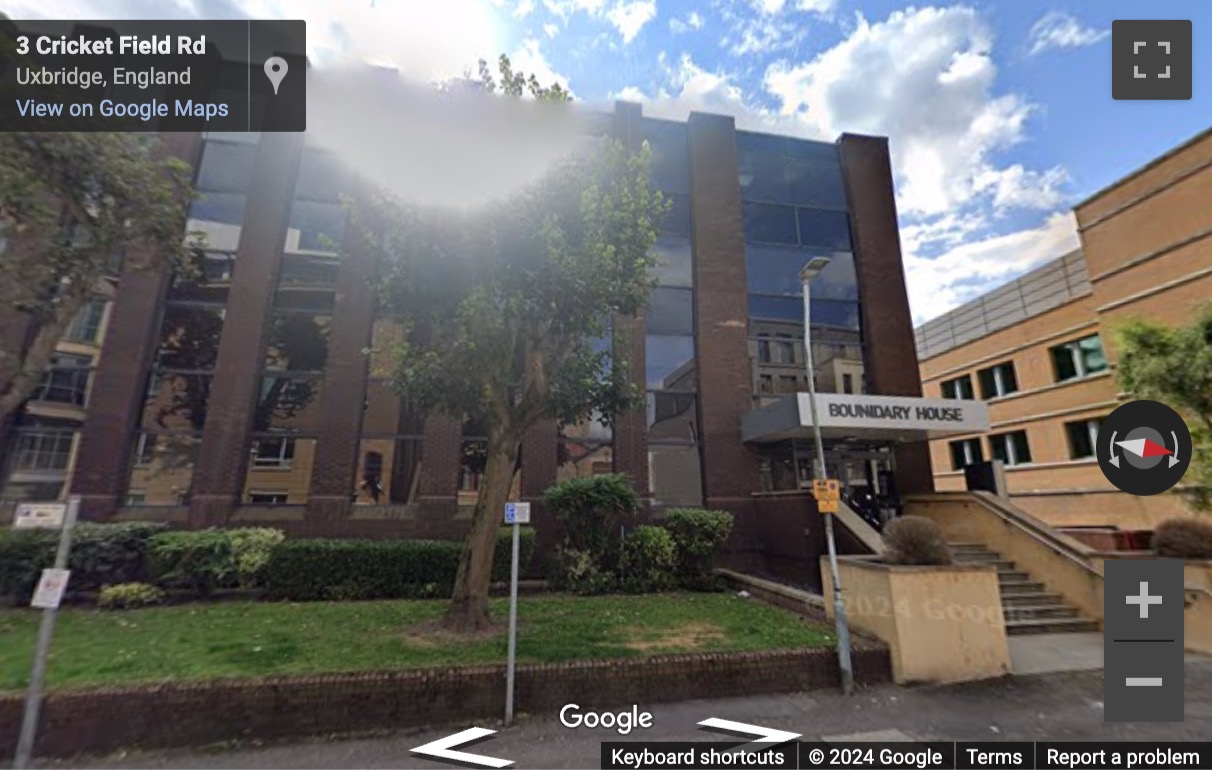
{"points": [[566, 8], [969, 269], [923, 78], [1057, 29], [630, 17], [551, 30], [772, 7], [529, 59], [692, 21], [523, 9], [1016, 187]]}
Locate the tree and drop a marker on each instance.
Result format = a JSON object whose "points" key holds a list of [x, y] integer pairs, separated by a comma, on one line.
{"points": [[1174, 365], [501, 306], [70, 203]]}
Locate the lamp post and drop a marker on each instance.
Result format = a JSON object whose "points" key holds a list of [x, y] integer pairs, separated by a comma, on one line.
{"points": [[810, 271]]}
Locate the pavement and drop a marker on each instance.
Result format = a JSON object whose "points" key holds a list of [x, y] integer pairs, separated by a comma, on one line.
{"points": [[1064, 706]]}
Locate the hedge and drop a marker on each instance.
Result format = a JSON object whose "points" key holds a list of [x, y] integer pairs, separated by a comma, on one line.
{"points": [[101, 554], [312, 570]]}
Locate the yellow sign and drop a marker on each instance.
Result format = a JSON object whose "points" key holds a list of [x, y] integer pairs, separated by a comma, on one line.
{"points": [[826, 489], [826, 506]]}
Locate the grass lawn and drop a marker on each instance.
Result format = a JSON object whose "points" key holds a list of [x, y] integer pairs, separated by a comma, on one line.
{"points": [[207, 641]]}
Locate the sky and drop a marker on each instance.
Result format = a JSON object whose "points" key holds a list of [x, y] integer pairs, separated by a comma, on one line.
{"points": [[999, 114]]}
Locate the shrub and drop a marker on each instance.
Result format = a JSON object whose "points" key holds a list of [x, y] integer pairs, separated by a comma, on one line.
{"points": [[128, 596], [579, 572], [649, 560], [250, 551], [198, 561], [593, 510], [102, 554], [697, 535], [915, 540], [1183, 539], [311, 570]]}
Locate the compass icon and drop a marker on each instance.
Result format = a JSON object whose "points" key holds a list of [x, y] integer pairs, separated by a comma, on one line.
{"points": [[1144, 447]]}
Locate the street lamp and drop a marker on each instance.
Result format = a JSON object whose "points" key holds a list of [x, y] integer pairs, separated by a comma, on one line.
{"points": [[810, 271]]}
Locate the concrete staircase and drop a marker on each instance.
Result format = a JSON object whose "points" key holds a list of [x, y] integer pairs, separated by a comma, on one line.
{"points": [[1027, 605]]}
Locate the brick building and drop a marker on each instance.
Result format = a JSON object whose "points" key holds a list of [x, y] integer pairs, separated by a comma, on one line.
{"points": [[1040, 350], [248, 396]]}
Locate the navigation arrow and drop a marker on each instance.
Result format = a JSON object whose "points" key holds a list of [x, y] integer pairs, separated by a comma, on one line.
{"points": [[1114, 458], [1174, 455], [767, 735], [443, 748]]}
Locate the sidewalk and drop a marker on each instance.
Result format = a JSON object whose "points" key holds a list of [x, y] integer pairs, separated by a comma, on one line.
{"points": [[1048, 707]]}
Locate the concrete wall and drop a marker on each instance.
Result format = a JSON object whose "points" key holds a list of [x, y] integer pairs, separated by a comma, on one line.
{"points": [[941, 623]]}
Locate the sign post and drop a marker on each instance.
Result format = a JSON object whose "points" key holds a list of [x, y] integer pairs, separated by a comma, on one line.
{"points": [[47, 596], [516, 514]]}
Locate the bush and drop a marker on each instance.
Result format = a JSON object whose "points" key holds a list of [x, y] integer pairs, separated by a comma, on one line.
{"points": [[915, 540], [250, 551], [102, 554], [1183, 539], [198, 561], [312, 570], [128, 596], [579, 572], [697, 535], [593, 510], [649, 560]]}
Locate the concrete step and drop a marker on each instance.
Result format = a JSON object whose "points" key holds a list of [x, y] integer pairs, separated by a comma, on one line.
{"points": [[1029, 599], [1050, 626], [970, 548], [1020, 586], [1039, 612], [1012, 576]]}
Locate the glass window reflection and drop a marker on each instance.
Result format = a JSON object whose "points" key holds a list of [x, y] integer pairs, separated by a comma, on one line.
{"points": [[816, 184], [315, 228], [675, 475], [672, 417], [763, 178], [767, 223], [825, 229], [189, 336], [671, 311], [321, 177], [675, 262], [753, 142], [677, 221], [670, 169], [775, 270], [298, 342], [669, 362], [225, 167], [176, 401], [824, 312], [287, 404]]}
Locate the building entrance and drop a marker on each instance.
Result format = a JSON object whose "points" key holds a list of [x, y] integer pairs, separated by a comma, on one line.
{"points": [[866, 471]]}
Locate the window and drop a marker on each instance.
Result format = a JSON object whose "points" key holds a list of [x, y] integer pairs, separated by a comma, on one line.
{"points": [[847, 383], [669, 362], [786, 350], [87, 324], [674, 261], [997, 380], [818, 184], [43, 450], [315, 228], [826, 229], [671, 311], [1083, 437], [776, 270], [273, 453], [788, 383], [145, 450], [965, 452], [677, 221], [767, 223], [136, 497], [189, 336], [960, 387], [675, 475], [670, 165], [765, 383], [763, 178], [1078, 358], [225, 166], [1010, 448], [287, 404], [298, 342], [267, 498], [65, 381], [764, 350]]}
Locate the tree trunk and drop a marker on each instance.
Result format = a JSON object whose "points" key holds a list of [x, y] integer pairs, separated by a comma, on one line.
{"points": [[468, 611], [18, 382]]}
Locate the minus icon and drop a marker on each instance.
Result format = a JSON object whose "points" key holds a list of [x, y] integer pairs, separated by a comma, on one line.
{"points": [[1143, 681]]}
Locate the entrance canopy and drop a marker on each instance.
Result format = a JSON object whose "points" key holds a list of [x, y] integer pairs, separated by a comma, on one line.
{"points": [[878, 418]]}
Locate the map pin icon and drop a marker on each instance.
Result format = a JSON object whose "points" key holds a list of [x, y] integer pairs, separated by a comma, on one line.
{"points": [[275, 70]]}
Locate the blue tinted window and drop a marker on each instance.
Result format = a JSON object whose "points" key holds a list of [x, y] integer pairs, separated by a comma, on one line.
{"points": [[816, 184], [776, 308], [767, 223], [808, 150], [764, 178], [776, 270], [674, 261], [677, 221], [672, 417], [670, 169], [824, 312], [225, 167], [826, 229], [769, 144], [671, 311], [227, 208], [669, 362], [315, 227]]}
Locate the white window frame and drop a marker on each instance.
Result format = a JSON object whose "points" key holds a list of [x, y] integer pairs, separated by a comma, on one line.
{"points": [[1011, 453], [1092, 425], [273, 462], [276, 493]]}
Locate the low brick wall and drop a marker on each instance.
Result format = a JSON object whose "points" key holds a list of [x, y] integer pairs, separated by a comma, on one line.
{"points": [[176, 715]]}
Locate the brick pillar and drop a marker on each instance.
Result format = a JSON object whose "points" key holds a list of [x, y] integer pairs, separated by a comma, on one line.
{"points": [[223, 456], [631, 428], [438, 487], [119, 384], [344, 393], [16, 332], [730, 469], [890, 350], [539, 459]]}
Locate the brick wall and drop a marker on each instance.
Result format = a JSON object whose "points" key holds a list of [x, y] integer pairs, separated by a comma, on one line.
{"points": [[164, 716]]}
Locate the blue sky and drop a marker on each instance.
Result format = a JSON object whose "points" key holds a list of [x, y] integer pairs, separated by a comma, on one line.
{"points": [[999, 114]]}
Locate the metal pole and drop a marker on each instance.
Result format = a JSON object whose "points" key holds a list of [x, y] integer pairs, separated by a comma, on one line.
{"points": [[839, 609], [33, 700], [513, 629]]}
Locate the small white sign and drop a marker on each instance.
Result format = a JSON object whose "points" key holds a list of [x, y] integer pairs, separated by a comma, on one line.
{"points": [[517, 513], [39, 515], [50, 589]]}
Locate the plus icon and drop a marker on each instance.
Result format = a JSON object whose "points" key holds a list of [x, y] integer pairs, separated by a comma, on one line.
{"points": [[1144, 600]]}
